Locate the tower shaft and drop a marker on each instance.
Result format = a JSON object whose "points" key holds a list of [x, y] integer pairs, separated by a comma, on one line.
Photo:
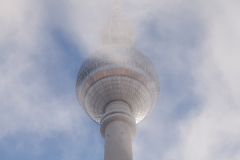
{"points": [[118, 145], [118, 128]]}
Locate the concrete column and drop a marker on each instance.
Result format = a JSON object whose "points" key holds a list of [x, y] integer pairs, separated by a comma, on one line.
{"points": [[118, 127]]}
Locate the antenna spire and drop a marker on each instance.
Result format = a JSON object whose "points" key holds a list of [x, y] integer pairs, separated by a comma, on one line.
{"points": [[117, 2], [116, 10]]}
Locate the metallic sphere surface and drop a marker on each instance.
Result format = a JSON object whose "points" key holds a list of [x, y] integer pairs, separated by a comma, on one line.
{"points": [[117, 73]]}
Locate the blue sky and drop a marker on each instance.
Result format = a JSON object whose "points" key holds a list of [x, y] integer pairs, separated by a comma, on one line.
{"points": [[193, 44]]}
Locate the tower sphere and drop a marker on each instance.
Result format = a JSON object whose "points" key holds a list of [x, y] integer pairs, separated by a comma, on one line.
{"points": [[117, 72]]}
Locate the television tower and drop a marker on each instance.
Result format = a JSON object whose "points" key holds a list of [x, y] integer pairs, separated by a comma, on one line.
{"points": [[117, 86]]}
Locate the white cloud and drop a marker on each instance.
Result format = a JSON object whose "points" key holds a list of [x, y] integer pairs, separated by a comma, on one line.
{"points": [[27, 103], [209, 131], [214, 132]]}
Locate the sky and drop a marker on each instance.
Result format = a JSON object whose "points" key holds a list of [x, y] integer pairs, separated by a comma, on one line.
{"points": [[194, 46]]}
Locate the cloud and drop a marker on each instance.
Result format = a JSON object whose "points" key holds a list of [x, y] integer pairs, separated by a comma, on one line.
{"points": [[210, 132], [38, 65], [28, 101], [193, 44], [213, 133]]}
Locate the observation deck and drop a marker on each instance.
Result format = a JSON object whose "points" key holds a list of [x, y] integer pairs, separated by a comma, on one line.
{"points": [[117, 73]]}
